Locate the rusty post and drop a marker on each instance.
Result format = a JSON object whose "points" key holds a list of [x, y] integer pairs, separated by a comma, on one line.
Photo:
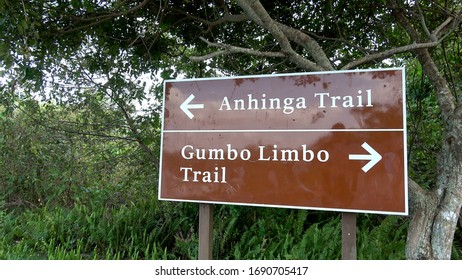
{"points": [[348, 236], [205, 231]]}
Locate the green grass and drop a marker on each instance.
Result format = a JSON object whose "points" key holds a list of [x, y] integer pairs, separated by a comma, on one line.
{"points": [[149, 229], [136, 231]]}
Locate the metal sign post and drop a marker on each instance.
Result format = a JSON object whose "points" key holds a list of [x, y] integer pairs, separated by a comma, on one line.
{"points": [[205, 231], [348, 236]]}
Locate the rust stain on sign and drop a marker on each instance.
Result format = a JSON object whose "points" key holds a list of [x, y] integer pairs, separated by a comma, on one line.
{"points": [[329, 141]]}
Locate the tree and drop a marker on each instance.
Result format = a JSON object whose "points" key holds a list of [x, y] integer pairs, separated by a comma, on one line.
{"points": [[119, 40]]}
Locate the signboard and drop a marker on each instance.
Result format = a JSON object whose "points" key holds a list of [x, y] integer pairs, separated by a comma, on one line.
{"points": [[327, 141]]}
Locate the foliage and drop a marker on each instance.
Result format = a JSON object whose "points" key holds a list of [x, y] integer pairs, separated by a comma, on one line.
{"points": [[263, 240], [136, 231], [385, 238], [153, 230], [425, 128], [457, 246], [52, 155], [78, 157]]}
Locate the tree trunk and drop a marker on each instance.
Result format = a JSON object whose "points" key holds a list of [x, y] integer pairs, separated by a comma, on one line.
{"points": [[449, 188], [434, 214], [422, 206]]}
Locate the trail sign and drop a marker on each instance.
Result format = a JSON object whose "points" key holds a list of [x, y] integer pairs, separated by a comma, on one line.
{"points": [[329, 141]]}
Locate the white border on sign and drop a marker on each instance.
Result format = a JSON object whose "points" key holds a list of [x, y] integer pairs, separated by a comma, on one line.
{"points": [[285, 75], [406, 193], [404, 130]]}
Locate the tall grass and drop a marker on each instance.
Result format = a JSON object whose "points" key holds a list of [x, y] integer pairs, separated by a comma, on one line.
{"points": [[149, 229], [144, 230]]}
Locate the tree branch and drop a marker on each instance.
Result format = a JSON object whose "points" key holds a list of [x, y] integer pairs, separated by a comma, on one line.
{"points": [[229, 49], [437, 30], [423, 23], [254, 11], [418, 196], [397, 12], [209, 56], [259, 15], [309, 44], [85, 133], [211, 24], [445, 98], [136, 134], [102, 18], [129, 121], [389, 53]]}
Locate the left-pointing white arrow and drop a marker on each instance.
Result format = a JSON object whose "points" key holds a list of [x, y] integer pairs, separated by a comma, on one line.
{"points": [[185, 106], [373, 157]]}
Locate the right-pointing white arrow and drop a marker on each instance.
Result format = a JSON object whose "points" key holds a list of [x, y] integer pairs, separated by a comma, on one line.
{"points": [[185, 106], [373, 157]]}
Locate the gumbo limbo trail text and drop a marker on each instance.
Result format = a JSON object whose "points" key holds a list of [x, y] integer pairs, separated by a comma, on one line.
{"points": [[263, 153]]}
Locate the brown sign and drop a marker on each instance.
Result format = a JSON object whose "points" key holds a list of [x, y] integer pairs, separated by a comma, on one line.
{"points": [[331, 141]]}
